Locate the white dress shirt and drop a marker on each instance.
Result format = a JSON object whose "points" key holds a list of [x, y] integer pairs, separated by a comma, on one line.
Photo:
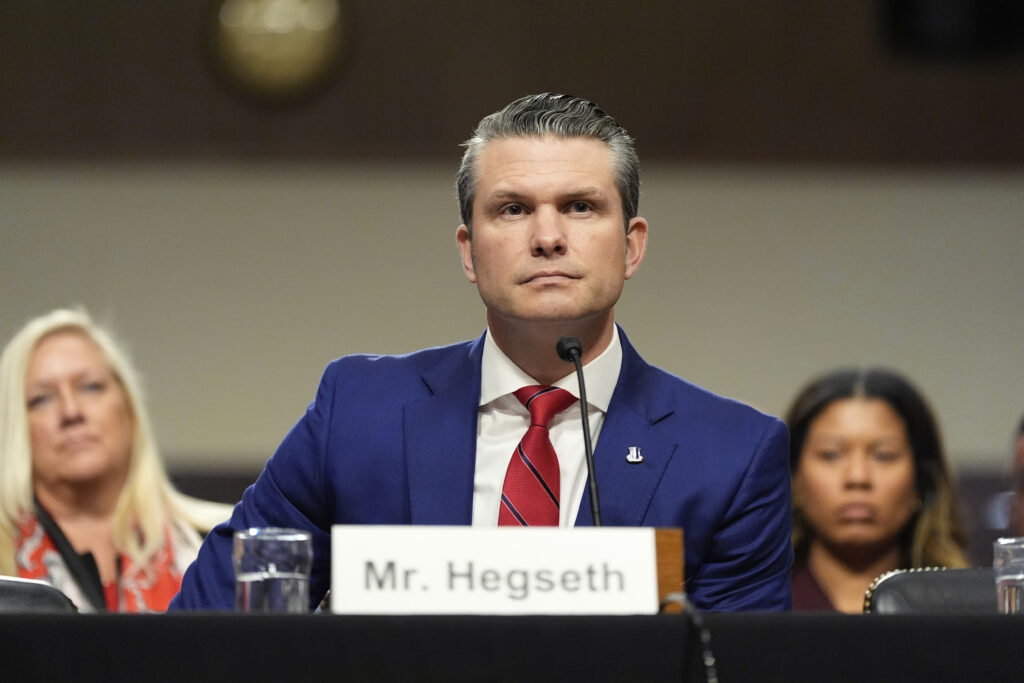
{"points": [[503, 420]]}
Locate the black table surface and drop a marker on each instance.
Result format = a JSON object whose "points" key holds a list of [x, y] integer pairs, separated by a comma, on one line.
{"points": [[749, 647]]}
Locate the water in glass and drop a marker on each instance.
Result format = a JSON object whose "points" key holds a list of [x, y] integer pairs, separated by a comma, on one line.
{"points": [[272, 592]]}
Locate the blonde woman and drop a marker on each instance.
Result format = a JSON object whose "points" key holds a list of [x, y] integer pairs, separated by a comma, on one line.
{"points": [[85, 503]]}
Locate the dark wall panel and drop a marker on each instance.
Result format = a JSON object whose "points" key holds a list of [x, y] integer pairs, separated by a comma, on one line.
{"points": [[709, 81]]}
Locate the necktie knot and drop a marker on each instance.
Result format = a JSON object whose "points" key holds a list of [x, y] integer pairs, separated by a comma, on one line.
{"points": [[544, 402]]}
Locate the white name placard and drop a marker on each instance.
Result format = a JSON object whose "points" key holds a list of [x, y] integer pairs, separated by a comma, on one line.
{"points": [[506, 570]]}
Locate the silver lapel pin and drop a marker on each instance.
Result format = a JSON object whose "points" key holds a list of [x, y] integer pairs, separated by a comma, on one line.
{"points": [[634, 456]]}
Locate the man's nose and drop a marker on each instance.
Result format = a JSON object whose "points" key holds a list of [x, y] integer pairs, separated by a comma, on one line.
{"points": [[548, 233]]}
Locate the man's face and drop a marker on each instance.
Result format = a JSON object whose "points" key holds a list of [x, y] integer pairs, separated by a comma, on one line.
{"points": [[548, 241]]}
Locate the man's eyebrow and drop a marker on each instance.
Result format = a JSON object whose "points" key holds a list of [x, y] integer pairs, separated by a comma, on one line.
{"points": [[592, 195], [504, 195], [586, 192]]}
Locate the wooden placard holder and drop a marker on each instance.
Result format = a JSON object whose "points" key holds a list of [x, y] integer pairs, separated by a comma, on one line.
{"points": [[668, 548]]}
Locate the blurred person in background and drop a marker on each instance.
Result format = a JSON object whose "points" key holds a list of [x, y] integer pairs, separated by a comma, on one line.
{"points": [[871, 488], [85, 503], [1015, 527]]}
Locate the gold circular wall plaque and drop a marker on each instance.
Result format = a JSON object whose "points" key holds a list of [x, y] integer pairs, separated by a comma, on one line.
{"points": [[277, 49]]}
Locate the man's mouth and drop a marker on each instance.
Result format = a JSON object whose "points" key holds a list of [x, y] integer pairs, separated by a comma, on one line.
{"points": [[549, 277]]}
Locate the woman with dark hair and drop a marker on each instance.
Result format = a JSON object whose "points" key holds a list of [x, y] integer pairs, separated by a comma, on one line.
{"points": [[871, 488]]}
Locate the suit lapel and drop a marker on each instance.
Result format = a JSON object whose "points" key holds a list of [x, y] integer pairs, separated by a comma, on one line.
{"points": [[625, 487], [440, 440]]}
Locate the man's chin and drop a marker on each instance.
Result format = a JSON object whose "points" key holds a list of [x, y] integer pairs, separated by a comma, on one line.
{"points": [[566, 314]]}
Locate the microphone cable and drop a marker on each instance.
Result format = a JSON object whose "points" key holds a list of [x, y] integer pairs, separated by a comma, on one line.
{"points": [[696, 619]]}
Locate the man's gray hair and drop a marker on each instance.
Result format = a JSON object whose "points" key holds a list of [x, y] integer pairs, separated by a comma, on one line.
{"points": [[562, 116]]}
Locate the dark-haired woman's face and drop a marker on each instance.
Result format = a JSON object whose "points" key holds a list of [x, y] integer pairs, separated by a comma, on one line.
{"points": [[854, 482]]}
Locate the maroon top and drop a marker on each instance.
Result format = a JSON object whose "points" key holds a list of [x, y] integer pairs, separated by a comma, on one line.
{"points": [[807, 593]]}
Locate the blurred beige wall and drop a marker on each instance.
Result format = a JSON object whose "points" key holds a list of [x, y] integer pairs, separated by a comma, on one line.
{"points": [[235, 285]]}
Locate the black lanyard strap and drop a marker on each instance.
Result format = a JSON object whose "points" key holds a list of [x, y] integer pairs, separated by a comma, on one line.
{"points": [[82, 567]]}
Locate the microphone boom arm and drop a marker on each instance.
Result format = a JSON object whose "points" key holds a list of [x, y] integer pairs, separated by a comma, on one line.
{"points": [[570, 349]]}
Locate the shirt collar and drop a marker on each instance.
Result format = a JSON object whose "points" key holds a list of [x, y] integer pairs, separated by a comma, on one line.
{"points": [[499, 376]]}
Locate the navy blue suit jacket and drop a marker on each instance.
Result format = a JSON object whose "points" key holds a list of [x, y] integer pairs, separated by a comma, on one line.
{"points": [[392, 440]]}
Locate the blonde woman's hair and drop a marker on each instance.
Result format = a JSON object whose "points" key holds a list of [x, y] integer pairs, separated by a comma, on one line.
{"points": [[147, 503]]}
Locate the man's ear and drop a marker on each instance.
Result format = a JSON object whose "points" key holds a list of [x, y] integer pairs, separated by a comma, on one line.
{"points": [[465, 244], [636, 245]]}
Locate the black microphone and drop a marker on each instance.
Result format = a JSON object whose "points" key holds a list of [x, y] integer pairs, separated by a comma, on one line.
{"points": [[569, 349]]}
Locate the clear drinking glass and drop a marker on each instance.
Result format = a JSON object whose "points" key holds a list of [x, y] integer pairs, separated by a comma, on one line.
{"points": [[272, 570], [1008, 563]]}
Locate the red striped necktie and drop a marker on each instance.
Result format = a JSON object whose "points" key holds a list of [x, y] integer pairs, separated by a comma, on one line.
{"points": [[530, 494]]}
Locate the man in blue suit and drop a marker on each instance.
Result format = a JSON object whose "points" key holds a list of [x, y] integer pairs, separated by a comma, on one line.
{"points": [[548, 189]]}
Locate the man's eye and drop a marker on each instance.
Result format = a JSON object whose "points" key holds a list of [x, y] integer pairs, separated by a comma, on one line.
{"points": [[513, 210], [580, 207]]}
